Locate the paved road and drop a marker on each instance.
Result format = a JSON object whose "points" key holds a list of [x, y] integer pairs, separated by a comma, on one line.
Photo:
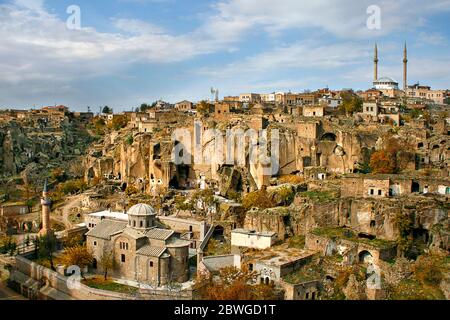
{"points": [[8, 294]]}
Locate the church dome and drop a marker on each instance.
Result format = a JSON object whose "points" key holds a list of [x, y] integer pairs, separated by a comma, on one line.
{"points": [[141, 210]]}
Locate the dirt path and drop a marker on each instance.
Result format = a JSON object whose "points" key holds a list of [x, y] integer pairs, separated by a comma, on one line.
{"points": [[71, 202]]}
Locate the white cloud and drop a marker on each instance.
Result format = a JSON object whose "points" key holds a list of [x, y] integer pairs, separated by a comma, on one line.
{"points": [[39, 54], [430, 38], [300, 55], [343, 18]]}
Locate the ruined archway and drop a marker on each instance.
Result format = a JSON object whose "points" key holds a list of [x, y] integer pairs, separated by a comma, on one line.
{"points": [[365, 257], [218, 233], [329, 136]]}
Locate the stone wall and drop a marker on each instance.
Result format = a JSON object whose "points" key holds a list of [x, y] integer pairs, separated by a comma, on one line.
{"points": [[28, 270]]}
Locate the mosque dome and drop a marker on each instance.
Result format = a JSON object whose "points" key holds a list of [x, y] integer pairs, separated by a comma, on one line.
{"points": [[141, 209], [386, 79]]}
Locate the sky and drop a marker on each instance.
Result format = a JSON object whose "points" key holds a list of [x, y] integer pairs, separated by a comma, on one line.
{"points": [[123, 53]]}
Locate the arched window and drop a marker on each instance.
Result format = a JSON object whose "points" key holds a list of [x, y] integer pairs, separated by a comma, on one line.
{"points": [[151, 264], [134, 223]]}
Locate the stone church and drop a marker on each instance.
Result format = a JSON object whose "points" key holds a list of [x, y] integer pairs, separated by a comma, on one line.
{"points": [[142, 251]]}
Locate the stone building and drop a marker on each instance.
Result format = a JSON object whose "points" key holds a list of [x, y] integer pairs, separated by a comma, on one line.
{"points": [[252, 239], [313, 111], [184, 106], [141, 251]]}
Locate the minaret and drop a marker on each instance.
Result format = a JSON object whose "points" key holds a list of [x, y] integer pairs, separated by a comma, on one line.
{"points": [[405, 69], [375, 61], [46, 203]]}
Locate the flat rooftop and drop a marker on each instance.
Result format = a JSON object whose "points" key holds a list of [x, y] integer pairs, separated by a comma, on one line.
{"points": [[287, 256], [110, 214], [252, 232]]}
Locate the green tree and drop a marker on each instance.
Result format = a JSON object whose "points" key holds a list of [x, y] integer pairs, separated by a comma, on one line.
{"points": [[351, 103], [144, 107], [129, 140], [106, 110], [46, 246], [205, 198]]}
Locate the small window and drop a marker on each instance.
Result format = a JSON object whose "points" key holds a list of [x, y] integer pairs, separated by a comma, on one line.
{"points": [[372, 191], [141, 224], [307, 296], [120, 245], [380, 192], [122, 258], [95, 243], [126, 246], [151, 264]]}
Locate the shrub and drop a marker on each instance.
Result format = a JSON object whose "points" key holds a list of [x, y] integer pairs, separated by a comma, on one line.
{"points": [[259, 199]]}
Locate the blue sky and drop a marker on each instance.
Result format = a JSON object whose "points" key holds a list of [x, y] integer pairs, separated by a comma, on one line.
{"points": [[132, 51]]}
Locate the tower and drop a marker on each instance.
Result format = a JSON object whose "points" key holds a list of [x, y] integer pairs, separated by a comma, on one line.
{"points": [[375, 61], [405, 69], [46, 203]]}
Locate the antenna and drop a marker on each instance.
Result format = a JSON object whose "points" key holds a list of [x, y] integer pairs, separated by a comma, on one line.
{"points": [[214, 94]]}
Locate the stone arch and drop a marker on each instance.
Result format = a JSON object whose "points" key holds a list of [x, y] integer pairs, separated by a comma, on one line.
{"points": [[157, 151], [219, 232], [365, 257], [329, 136], [415, 187]]}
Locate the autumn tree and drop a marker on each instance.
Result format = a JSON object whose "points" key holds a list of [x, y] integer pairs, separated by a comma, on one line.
{"points": [[382, 162], [118, 123], [77, 256], [204, 108], [106, 262], [393, 158], [292, 179], [259, 199], [233, 284], [351, 103]]}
